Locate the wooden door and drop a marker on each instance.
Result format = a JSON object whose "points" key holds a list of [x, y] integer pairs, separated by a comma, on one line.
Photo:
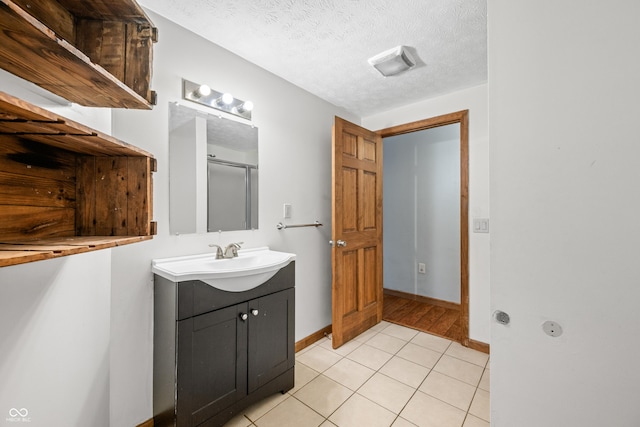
{"points": [[356, 231]]}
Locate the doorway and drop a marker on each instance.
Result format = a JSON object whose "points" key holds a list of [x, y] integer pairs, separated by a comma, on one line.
{"points": [[356, 235], [420, 294]]}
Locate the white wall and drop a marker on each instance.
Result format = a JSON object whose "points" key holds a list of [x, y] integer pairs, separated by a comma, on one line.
{"points": [[54, 341], [565, 168], [421, 206], [96, 118], [475, 100], [295, 167]]}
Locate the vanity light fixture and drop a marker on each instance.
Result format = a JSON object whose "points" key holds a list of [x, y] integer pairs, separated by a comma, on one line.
{"points": [[221, 101], [393, 61]]}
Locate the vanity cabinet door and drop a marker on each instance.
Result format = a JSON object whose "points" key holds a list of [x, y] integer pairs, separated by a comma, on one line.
{"points": [[212, 363], [271, 337]]}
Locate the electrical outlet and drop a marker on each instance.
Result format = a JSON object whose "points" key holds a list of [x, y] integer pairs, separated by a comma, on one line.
{"points": [[422, 268]]}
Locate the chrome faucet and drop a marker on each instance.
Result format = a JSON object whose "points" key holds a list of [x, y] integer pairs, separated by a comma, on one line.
{"points": [[231, 251], [219, 254]]}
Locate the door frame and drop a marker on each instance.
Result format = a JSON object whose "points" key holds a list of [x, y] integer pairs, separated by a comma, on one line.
{"points": [[461, 117]]}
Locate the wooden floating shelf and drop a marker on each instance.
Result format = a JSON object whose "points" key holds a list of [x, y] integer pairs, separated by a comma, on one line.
{"points": [[38, 250], [66, 188], [21, 118], [96, 54]]}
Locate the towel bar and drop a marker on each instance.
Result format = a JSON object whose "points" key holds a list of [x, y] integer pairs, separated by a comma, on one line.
{"points": [[282, 226]]}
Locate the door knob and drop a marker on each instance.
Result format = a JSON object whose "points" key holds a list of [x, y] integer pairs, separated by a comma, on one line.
{"points": [[254, 312], [339, 243], [244, 316]]}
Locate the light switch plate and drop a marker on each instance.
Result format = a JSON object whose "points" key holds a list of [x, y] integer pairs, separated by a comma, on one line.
{"points": [[480, 225], [287, 210]]}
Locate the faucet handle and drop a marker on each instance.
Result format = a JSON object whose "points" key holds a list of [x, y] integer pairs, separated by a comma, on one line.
{"points": [[219, 254], [231, 251]]}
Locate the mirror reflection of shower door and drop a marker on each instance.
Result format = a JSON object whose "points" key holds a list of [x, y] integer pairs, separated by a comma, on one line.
{"points": [[253, 198], [234, 185]]}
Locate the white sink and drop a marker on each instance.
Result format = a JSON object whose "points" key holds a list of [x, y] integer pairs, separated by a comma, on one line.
{"points": [[251, 268]]}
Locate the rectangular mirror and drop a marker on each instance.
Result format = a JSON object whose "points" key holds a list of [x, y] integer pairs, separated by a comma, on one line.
{"points": [[213, 172]]}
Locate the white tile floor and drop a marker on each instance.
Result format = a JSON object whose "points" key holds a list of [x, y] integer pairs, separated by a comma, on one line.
{"points": [[388, 376]]}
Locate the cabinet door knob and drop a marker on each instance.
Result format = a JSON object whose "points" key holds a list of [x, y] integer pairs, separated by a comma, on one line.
{"points": [[254, 312], [244, 316]]}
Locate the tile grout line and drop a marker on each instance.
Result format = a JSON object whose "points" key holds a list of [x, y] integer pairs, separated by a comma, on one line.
{"points": [[353, 392], [415, 389]]}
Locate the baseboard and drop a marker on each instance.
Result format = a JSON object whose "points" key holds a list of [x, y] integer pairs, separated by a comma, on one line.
{"points": [[427, 300], [148, 423], [314, 337], [480, 346]]}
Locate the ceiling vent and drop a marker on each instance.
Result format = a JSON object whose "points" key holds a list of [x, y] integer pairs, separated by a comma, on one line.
{"points": [[393, 61]]}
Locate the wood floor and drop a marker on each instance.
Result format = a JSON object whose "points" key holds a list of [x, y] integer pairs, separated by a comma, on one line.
{"points": [[425, 317]]}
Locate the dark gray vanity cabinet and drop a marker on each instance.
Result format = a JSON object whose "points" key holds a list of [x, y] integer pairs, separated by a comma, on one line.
{"points": [[221, 351]]}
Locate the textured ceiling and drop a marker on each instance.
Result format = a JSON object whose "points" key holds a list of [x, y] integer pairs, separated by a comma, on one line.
{"points": [[322, 46]]}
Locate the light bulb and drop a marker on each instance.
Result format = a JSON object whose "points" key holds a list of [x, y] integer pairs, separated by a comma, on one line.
{"points": [[247, 106], [203, 90], [226, 98]]}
